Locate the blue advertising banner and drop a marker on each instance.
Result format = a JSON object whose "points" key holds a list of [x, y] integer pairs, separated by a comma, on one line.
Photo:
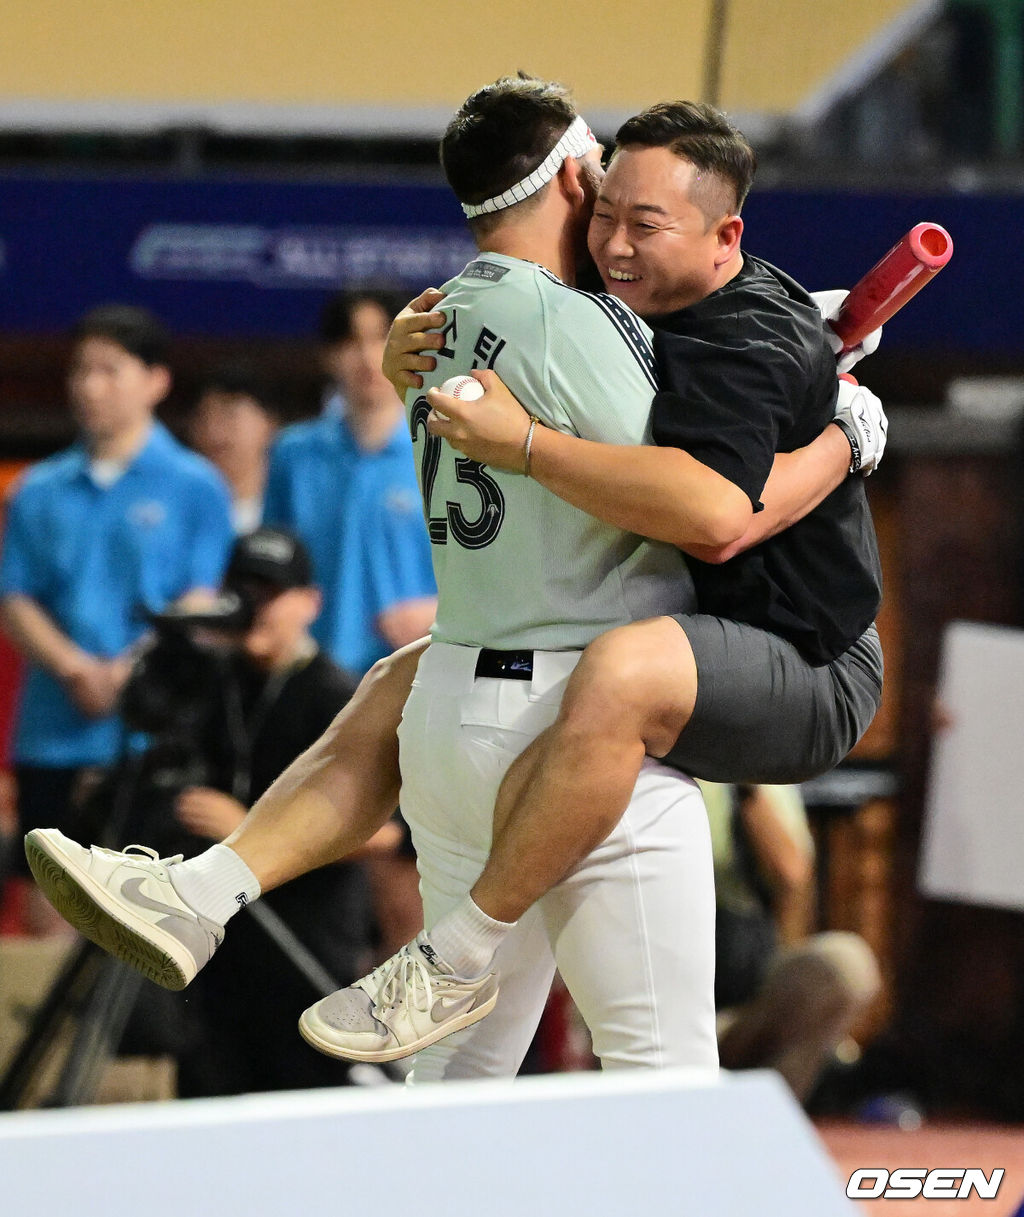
{"points": [[830, 239], [243, 257], [220, 257]]}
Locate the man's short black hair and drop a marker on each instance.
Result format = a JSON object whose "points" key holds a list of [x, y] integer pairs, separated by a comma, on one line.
{"points": [[238, 378], [698, 133], [140, 332], [502, 133], [338, 312]]}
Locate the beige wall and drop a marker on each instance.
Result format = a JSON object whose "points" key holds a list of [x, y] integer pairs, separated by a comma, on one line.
{"points": [[781, 51], [421, 53]]}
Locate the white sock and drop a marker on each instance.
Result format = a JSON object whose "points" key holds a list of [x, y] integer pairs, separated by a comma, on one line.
{"points": [[217, 884], [466, 938]]}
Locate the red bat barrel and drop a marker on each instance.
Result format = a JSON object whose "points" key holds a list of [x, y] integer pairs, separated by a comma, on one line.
{"points": [[886, 288]]}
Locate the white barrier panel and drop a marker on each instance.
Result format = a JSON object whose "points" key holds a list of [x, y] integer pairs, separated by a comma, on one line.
{"points": [[972, 847], [609, 1145]]}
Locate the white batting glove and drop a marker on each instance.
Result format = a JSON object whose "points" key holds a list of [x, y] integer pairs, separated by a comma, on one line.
{"points": [[829, 304], [861, 418]]}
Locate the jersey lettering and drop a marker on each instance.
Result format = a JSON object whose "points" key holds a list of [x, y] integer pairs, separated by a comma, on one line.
{"points": [[470, 534], [485, 348], [451, 330], [485, 270], [437, 527], [475, 534]]}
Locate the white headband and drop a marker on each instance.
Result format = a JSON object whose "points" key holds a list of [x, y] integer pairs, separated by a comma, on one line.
{"points": [[576, 141]]}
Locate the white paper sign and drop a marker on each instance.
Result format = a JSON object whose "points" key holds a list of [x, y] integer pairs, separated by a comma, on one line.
{"points": [[972, 848]]}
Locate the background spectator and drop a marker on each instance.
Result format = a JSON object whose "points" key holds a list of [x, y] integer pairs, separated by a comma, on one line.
{"points": [[232, 425], [120, 524], [346, 484], [269, 698], [785, 1001]]}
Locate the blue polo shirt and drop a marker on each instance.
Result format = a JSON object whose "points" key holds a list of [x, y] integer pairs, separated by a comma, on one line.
{"points": [[94, 558], [361, 517]]}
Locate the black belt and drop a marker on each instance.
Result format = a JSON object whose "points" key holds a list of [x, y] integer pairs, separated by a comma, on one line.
{"points": [[505, 665]]}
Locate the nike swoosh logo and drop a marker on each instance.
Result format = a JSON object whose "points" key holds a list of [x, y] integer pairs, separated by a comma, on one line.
{"points": [[132, 888], [451, 1004]]}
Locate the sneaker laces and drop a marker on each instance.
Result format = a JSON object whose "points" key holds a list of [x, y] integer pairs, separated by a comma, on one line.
{"points": [[406, 973], [149, 852]]}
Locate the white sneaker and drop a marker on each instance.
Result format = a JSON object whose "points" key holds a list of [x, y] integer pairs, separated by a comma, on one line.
{"points": [[125, 903], [411, 1001]]}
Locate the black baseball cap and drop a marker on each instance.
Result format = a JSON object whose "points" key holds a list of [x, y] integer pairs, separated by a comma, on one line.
{"points": [[270, 555]]}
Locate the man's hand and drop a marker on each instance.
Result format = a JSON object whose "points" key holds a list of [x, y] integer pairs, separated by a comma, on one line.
{"points": [[829, 303], [208, 813], [95, 684], [407, 337], [491, 429], [861, 417]]}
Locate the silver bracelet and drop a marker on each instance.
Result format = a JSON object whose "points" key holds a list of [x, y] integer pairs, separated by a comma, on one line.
{"points": [[534, 420]]}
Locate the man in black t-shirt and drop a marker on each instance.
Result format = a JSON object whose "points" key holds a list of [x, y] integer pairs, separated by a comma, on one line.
{"points": [[780, 673]]}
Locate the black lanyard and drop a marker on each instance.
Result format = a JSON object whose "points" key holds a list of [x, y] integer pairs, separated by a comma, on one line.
{"points": [[243, 729]]}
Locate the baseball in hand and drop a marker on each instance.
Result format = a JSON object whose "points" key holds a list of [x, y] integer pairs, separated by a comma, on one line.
{"points": [[464, 387]]}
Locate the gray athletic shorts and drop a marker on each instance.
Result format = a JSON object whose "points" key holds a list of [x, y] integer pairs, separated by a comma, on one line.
{"points": [[763, 713]]}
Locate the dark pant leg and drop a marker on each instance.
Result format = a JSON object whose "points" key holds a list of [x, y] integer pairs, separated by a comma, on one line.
{"points": [[764, 713], [45, 800]]}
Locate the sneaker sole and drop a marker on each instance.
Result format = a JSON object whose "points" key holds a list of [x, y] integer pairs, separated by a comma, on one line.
{"points": [[88, 907], [383, 1055]]}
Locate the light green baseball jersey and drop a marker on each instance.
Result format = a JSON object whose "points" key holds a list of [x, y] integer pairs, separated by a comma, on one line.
{"points": [[516, 566]]}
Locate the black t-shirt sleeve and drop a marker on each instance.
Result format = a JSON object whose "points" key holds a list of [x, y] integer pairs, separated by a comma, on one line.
{"points": [[725, 405]]}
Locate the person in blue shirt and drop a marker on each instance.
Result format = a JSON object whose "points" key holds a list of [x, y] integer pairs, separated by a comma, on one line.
{"points": [[233, 424], [122, 523], [346, 484]]}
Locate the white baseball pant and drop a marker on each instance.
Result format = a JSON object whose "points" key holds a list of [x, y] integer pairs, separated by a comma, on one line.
{"points": [[631, 930]]}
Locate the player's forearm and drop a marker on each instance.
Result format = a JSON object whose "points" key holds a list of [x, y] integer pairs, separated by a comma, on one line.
{"points": [[36, 636], [661, 493], [798, 482]]}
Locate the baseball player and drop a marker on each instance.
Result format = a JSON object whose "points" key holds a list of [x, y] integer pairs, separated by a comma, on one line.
{"points": [[394, 1007]]}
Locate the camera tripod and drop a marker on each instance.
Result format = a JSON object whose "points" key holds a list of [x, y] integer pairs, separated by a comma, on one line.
{"points": [[100, 993]]}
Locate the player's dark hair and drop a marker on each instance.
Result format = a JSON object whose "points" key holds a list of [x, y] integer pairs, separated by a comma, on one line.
{"points": [[698, 133], [501, 134], [338, 313], [137, 330], [238, 378]]}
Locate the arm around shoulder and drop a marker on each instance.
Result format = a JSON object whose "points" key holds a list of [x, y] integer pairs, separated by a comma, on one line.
{"points": [[661, 493], [798, 482]]}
